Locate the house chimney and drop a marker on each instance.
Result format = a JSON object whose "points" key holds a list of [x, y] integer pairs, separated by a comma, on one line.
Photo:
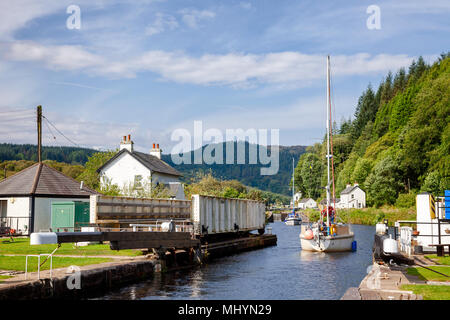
{"points": [[348, 185], [127, 144], [156, 151]]}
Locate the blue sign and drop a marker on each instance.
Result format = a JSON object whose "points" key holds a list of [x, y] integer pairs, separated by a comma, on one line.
{"points": [[447, 204]]}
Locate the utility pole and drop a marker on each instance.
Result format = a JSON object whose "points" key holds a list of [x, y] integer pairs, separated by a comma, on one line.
{"points": [[39, 131]]}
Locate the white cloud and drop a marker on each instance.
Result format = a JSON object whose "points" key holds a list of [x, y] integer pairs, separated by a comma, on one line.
{"points": [[65, 57], [161, 23], [233, 69], [192, 17]]}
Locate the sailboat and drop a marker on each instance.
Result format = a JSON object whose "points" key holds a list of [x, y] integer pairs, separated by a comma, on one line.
{"points": [[293, 219], [328, 236]]}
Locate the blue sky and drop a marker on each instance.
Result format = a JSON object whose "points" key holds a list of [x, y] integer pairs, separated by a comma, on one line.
{"points": [[149, 67]]}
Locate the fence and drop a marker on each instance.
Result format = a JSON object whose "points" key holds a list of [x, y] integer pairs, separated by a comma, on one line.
{"points": [[15, 225], [121, 211]]}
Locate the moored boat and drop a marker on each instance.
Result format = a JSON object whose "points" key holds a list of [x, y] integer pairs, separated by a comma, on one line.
{"points": [[326, 235]]}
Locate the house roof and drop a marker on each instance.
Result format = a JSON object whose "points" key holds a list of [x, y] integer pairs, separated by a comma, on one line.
{"points": [[150, 162], [304, 200], [350, 189], [324, 201], [40, 179]]}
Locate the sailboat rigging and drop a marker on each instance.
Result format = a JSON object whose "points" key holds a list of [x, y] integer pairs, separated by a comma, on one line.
{"points": [[330, 236]]}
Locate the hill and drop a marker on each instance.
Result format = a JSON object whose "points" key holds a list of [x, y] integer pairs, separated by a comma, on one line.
{"points": [[70, 160], [398, 143], [248, 174]]}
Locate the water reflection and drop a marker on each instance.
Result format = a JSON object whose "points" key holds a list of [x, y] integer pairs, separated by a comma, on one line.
{"points": [[281, 272]]}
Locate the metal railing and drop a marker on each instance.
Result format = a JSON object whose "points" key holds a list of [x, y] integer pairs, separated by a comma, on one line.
{"points": [[407, 234], [182, 225], [20, 225]]}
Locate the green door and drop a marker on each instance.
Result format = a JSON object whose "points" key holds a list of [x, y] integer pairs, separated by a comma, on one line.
{"points": [[81, 214], [62, 216]]}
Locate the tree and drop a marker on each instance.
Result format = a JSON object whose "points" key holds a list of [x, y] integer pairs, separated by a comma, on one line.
{"points": [[365, 111], [90, 176], [383, 183], [308, 175]]}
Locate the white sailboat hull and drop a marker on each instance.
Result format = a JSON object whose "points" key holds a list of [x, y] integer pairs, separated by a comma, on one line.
{"points": [[337, 243], [293, 222]]}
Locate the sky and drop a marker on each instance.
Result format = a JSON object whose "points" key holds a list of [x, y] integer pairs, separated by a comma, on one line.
{"points": [[150, 67]]}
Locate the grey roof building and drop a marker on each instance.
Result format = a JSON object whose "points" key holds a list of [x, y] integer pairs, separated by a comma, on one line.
{"points": [[26, 197]]}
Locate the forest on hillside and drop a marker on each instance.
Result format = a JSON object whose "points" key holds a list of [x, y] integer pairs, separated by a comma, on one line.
{"points": [[72, 159], [396, 145]]}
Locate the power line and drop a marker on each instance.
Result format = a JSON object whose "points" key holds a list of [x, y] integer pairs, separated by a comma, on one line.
{"points": [[61, 132]]}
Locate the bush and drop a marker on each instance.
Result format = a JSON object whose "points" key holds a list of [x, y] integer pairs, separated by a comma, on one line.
{"points": [[406, 200]]}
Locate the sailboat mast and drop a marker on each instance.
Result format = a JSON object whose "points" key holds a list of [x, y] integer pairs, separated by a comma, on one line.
{"points": [[293, 184], [328, 140]]}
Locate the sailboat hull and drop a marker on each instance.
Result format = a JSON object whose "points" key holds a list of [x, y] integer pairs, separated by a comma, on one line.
{"points": [[293, 222], [338, 243]]}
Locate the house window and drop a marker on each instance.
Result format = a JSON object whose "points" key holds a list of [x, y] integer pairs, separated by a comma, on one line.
{"points": [[353, 196], [138, 181]]}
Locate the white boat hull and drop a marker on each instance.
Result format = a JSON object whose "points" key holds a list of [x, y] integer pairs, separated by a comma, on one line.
{"points": [[338, 243], [293, 222]]}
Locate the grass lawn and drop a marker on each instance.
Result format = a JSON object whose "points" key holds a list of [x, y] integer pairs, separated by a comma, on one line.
{"points": [[18, 262], [4, 277], [426, 274], [368, 216], [441, 260], [429, 292], [22, 246]]}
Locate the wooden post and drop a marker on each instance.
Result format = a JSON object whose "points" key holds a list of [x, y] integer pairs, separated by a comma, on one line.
{"points": [[39, 131]]}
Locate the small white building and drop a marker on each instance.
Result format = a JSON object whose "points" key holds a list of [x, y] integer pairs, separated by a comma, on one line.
{"points": [[427, 222], [26, 197], [130, 167], [352, 197], [306, 203]]}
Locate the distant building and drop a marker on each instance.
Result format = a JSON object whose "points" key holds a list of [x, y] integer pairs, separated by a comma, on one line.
{"points": [[352, 197], [306, 203], [26, 197], [323, 203], [130, 167]]}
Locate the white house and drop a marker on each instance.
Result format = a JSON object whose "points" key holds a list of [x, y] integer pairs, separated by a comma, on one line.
{"points": [[26, 197], [307, 203], [352, 197], [129, 167]]}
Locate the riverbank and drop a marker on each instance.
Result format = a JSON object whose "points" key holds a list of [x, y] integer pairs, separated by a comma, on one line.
{"points": [[101, 274], [368, 216], [394, 282]]}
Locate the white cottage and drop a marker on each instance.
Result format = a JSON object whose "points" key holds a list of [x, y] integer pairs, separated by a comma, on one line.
{"points": [[307, 203], [129, 167], [352, 197]]}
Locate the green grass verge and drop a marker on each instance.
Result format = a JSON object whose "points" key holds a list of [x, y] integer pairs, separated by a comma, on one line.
{"points": [[22, 246], [429, 292], [17, 263], [4, 277], [368, 216], [425, 274], [440, 260]]}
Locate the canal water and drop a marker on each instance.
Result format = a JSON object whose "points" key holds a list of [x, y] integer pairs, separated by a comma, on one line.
{"points": [[279, 272]]}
